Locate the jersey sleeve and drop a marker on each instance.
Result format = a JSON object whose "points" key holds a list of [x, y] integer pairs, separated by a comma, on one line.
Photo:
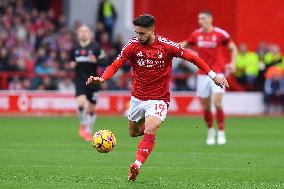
{"points": [[191, 40], [187, 55], [124, 56], [225, 37], [174, 49]]}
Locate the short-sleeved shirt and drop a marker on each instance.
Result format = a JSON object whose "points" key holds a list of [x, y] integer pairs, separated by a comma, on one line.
{"points": [[209, 46], [84, 57]]}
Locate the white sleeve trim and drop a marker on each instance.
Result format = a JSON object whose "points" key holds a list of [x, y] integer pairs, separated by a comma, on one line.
{"points": [[212, 74]]}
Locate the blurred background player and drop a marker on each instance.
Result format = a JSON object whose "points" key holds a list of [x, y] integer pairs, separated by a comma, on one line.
{"points": [[85, 58], [151, 56], [209, 42]]}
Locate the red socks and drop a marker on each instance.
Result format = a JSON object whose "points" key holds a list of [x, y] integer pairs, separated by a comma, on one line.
{"points": [[220, 119], [219, 116], [145, 148], [208, 118]]}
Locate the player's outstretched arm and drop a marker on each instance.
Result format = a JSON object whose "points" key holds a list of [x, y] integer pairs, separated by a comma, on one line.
{"points": [[108, 73], [218, 80]]}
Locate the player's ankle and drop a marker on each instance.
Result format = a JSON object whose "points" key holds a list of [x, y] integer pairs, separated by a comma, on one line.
{"points": [[138, 163]]}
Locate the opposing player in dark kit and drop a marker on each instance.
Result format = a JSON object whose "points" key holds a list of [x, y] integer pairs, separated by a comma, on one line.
{"points": [[85, 58]]}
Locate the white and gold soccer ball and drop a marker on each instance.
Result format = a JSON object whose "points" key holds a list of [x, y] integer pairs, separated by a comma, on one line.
{"points": [[104, 141]]}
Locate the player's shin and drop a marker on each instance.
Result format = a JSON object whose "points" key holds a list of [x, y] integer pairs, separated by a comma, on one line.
{"points": [[90, 121], [220, 119], [82, 115], [145, 147], [208, 117]]}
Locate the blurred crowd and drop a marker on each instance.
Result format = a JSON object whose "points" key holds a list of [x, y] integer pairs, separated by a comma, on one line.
{"points": [[38, 43], [262, 70]]}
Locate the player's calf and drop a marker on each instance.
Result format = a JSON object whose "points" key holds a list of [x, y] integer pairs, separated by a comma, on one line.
{"points": [[145, 146]]}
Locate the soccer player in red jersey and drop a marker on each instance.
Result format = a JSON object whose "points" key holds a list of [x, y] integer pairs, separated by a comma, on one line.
{"points": [[151, 58], [209, 42]]}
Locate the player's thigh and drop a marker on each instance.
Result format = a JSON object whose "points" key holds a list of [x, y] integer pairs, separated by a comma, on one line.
{"points": [[156, 108], [206, 102], [152, 124], [135, 127], [135, 112], [155, 114], [81, 97], [91, 107], [81, 100], [203, 86], [218, 100], [92, 95]]}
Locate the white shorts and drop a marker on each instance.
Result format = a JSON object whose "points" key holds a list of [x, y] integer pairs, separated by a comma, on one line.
{"points": [[206, 86], [140, 109]]}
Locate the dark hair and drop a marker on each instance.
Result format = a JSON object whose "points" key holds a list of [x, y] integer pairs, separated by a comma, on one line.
{"points": [[207, 12], [145, 20]]}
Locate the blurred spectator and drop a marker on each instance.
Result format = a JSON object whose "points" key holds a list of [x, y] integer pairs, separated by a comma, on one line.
{"points": [[15, 84], [274, 88], [47, 84], [107, 15], [66, 85], [100, 28], [247, 67], [273, 56], [5, 60]]}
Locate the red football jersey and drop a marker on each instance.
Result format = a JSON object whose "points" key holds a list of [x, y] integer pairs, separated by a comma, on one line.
{"points": [[210, 47], [152, 66]]}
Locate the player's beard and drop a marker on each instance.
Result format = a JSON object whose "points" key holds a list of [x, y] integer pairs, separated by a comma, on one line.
{"points": [[144, 42]]}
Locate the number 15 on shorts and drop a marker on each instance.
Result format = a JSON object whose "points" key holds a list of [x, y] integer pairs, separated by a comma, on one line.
{"points": [[160, 109]]}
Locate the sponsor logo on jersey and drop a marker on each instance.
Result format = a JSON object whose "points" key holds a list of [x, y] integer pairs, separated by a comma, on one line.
{"points": [[207, 44], [83, 59], [148, 63]]}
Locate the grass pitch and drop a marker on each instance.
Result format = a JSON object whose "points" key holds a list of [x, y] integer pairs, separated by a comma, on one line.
{"points": [[48, 153]]}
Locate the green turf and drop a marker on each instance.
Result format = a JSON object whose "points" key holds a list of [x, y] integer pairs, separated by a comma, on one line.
{"points": [[47, 153]]}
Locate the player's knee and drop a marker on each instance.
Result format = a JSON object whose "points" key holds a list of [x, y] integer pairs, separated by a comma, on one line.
{"points": [[80, 108], [150, 129], [133, 134], [218, 105], [207, 107], [81, 103]]}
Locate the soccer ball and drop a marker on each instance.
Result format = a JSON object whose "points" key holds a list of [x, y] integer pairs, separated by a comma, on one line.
{"points": [[104, 141]]}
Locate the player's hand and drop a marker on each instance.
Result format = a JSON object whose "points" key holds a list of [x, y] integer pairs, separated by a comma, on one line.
{"points": [[73, 64], [94, 80], [230, 68], [221, 81]]}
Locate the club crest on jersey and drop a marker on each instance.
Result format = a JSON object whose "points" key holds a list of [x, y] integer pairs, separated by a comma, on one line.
{"points": [[140, 54]]}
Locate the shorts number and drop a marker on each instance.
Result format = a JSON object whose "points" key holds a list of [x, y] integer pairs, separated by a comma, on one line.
{"points": [[159, 109]]}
